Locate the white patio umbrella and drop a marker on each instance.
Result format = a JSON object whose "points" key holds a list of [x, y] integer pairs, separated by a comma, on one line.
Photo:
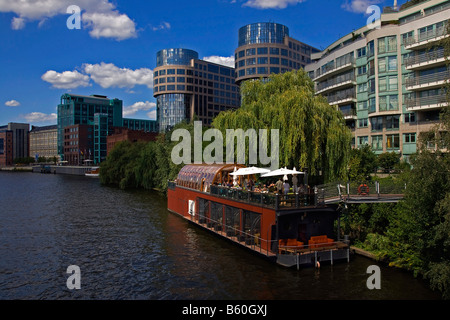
{"points": [[281, 172], [249, 171]]}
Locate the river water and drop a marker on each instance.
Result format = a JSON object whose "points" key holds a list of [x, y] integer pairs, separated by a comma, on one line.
{"points": [[128, 246]]}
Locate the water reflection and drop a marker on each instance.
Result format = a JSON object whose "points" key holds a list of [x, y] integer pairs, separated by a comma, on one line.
{"points": [[129, 246]]}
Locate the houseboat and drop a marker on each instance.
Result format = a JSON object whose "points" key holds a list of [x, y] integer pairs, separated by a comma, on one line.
{"points": [[293, 230]]}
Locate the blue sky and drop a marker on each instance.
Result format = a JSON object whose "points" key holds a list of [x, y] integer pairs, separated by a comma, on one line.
{"points": [[114, 52]]}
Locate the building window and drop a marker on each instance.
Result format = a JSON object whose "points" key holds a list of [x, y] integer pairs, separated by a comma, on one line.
{"points": [[251, 52], [251, 61], [410, 117], [392, 141], [363, 140], [409, 138], [392, 122], [262, 60], [376, 123], [262, 50], [377, 143], [363, 123], [275, 51]]}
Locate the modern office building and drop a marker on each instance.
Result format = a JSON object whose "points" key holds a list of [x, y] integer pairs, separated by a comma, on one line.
{"points": [[185, 86], [388, 81], [78, 109], [98, 115], [44, 141], [266, 48], [15, 140]]}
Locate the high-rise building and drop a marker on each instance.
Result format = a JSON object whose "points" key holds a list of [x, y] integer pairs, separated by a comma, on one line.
{"points": [[388, 81], [266, 48], [185, 86]]}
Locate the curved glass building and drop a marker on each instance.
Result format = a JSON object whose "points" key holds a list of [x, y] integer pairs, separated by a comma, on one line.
{"points": [[263, 32], [181, 57], [266, 48], [185, 86]]}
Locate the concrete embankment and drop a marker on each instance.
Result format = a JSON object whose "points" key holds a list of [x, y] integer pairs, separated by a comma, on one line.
{"points": [[20, 169], [362, 252], [72, 170]]}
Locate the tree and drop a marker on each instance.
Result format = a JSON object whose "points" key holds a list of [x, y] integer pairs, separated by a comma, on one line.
{"points": [[313, 134], [388, 161], [363, 161]]}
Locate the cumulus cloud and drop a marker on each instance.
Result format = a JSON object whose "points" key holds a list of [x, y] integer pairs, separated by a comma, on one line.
{"points": [[110, 25], [36, 117], [100, 16], [12, 103], [226, 61], [359, 6], [66, 79], [108, 75], [271, 4], [139, 106]]}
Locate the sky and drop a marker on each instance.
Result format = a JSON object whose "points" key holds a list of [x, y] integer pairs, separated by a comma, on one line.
{"points": [[109, 48]]}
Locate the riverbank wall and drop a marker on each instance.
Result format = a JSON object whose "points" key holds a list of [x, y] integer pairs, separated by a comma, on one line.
{"points": [[71, 170]]}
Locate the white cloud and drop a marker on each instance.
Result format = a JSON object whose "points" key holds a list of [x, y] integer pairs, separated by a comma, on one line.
{"points": [[110, 25], [66, 79], [271, 4], [12, 103], [226, 61], [99, 15], [108, 75], [17, 23], [35, 117], [152, 114], [359, 6], [162, 26], [139, 106]]}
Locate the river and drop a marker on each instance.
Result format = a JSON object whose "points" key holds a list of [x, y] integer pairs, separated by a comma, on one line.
{"points": [[128, 246]]}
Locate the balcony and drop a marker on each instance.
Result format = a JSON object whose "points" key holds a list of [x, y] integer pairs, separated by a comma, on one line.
{"points": [[341, 97], [341, 81], [426, 60], [434, 80], [349, 114], [425, 38], [426, 103], [348, 63]]}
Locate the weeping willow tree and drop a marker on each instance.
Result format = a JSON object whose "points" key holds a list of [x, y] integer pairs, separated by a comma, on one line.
{"points": [[312, 133]]}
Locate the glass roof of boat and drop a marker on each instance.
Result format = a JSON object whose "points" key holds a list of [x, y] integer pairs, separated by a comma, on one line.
{"points": [[191, 175]]}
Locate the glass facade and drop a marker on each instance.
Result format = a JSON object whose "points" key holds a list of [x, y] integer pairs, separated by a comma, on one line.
{"points": [[75, 109], [264, 32], [175, 56], [172, 109]]}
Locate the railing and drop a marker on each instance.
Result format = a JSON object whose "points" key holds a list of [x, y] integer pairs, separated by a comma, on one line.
{"points": [[428, 35], [430, 78], [248, 238], [268, 199], [342, 95], [350, 76], [373, 190], [425, 57], [426, 101], [338, 63]]}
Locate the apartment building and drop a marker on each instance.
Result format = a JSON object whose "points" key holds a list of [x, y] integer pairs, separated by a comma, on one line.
{"points": [[388, 81]]}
